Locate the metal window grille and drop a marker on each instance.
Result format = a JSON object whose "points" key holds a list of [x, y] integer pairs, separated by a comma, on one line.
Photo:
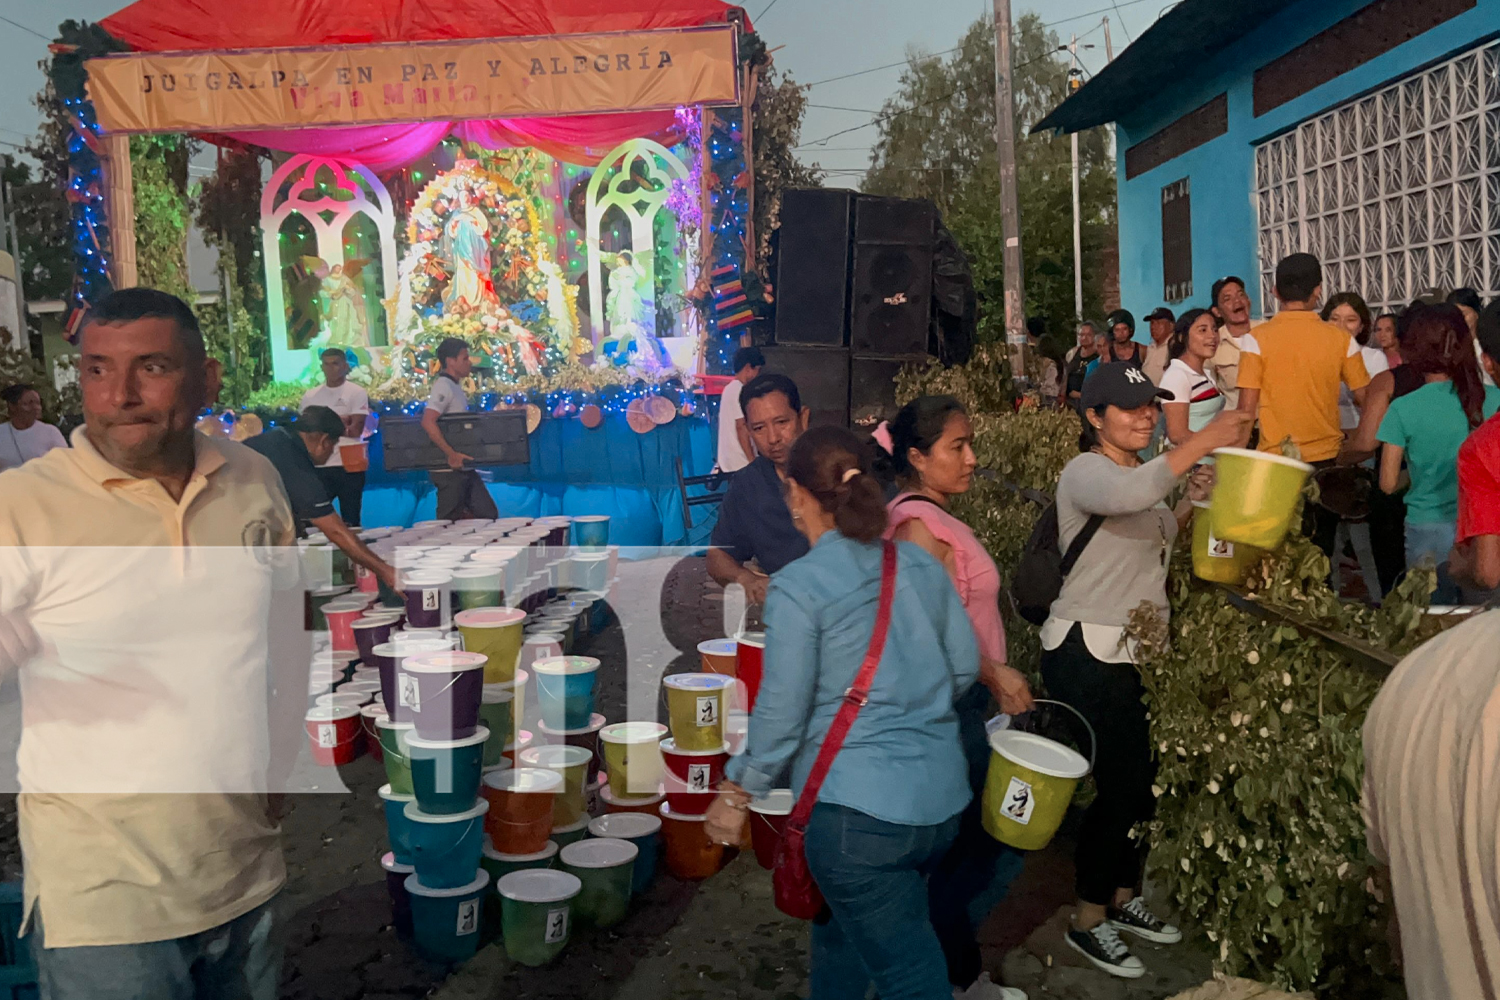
{"points": [[1395, 192]]}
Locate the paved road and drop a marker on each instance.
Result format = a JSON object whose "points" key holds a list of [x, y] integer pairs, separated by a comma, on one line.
{"points": [[719, 938]]}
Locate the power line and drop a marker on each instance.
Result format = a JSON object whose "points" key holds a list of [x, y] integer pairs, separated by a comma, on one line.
{"points": [[767, 10], [1094, 13], [23, 27], [877, 69], [1123, 28], [836, 107]]}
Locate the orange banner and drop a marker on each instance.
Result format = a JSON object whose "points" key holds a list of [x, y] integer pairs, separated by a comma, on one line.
{"points": [[420, 81]]}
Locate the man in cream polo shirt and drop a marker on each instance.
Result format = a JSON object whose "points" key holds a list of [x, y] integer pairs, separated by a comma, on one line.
{"points": [[143, 573]]}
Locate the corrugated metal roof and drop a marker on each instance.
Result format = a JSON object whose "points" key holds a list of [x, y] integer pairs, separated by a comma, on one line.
{"points": [[1180, 41]]}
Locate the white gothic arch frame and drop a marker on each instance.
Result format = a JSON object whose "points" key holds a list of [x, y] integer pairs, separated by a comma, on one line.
{"points": [[640, 207], [291, 192]]}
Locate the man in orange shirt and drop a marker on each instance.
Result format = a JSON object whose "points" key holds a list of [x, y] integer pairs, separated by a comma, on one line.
{"points": [[1290, 371]]}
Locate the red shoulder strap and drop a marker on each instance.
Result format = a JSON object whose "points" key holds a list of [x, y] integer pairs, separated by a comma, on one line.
{"points": [[856, 697]]}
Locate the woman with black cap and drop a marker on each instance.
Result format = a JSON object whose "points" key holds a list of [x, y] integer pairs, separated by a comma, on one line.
{"points": [[1086, 659]]}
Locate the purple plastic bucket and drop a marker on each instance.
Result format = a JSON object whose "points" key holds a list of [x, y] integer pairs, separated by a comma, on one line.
{"points": [[445, 700], [369, 633], [428, 601], [388, 657]]}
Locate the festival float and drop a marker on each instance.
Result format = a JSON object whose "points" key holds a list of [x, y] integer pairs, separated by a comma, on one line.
{"points": [[563, 187]]}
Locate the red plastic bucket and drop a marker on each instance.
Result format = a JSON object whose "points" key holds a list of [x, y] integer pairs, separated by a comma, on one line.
{"points": [[697, 770], [767, 819], [684, 800], [368, 716], [333, 733], [750, 654], [340, 616]]}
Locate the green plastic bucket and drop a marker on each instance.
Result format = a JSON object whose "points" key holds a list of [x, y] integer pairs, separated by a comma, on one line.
{"points": [[606, 868], [1029, 786], [497, 713], [1255, 495], [536, 914], [500, 865], [396, 753]]}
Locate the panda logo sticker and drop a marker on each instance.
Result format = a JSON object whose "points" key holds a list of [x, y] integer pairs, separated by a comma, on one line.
{"points": [[1018, 802], [557, 926]]}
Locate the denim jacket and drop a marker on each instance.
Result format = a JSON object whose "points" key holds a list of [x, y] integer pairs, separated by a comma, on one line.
{"points": [[902, 762]]}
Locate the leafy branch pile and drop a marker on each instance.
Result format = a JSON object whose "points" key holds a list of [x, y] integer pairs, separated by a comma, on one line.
{"points": [[1258, 834]]}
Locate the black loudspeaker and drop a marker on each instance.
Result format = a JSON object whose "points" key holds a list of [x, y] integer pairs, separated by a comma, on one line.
{"points": [[872, 390], [812, 270], [891, 312], [822, 377]]}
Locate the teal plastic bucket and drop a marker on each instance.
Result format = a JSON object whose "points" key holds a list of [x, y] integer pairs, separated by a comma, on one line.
{"points": [[445, 849], [446, 922], [641, 830], [445, 773]]}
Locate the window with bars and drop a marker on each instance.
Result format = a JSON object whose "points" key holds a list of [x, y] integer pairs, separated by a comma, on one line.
{"points": [[1395, 192]]}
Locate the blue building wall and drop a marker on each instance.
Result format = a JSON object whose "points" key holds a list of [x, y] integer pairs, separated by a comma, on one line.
{"points": [[1222, 171]]}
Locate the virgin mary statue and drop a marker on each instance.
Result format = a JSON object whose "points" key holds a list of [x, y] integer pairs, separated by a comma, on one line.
{"points": [[467, 238]]}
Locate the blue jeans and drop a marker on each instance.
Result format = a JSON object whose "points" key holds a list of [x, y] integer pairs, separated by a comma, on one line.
{"points": [[1431, 543], [977, 872], [873, 875], [240, 960]]}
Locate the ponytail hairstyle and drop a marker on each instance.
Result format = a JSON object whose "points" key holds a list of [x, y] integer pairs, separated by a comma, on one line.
{"points": [[1437, 342], [834, 466], [920, 425]]}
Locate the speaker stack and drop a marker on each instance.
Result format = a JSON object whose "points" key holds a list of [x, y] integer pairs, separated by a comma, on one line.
{"points": [[854, 299]]}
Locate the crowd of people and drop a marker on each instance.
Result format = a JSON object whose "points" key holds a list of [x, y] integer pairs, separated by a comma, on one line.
{"points": [[1390, 401], [815, 525]]}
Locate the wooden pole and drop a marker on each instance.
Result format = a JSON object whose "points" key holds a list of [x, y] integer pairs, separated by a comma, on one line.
{"points": [[1010, 205], [119, 200]]}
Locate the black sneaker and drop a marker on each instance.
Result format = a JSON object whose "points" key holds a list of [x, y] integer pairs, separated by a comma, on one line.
{"points": [[1135, 918], [1103, 947]]}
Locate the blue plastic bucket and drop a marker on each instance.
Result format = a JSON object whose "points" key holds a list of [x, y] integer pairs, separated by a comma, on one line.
{"points": [[397, 826], [396, 875], [565, 688], [639, 829], [591, 531], [445, 849], [446, 921], [445, 773]]}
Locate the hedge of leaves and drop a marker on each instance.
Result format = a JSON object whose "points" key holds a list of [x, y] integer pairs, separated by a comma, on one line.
{"points": [[1258, 834]]}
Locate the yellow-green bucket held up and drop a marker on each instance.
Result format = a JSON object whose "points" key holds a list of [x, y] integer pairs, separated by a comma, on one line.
{"points": [[1217, 560], [1029, 786], [1255, 495]]}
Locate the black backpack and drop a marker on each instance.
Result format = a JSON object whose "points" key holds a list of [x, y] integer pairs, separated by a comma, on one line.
{"points": [[1043, 566]]}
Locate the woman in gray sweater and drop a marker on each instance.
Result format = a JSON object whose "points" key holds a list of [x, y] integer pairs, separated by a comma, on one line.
{"points": [[1086, 659]]}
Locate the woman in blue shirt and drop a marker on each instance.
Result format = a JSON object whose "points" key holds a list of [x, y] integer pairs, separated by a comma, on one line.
{"points": [[889, 809]]}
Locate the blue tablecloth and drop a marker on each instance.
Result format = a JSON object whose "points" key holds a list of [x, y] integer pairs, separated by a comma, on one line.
{"points": [[612, 470]]}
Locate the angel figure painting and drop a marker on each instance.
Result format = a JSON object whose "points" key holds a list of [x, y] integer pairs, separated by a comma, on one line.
{"points": [[346, 321], [466, 240]]}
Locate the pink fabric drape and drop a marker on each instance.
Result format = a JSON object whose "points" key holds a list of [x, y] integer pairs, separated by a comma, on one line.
{"points": [[581, 139]]}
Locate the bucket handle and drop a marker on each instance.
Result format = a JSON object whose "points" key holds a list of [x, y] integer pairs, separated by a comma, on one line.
{"points": [[1093, 740]]}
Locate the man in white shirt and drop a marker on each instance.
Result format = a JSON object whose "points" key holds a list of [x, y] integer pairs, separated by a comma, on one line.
{"points": [[1231, 304], [1158, 352], [735, 449], [352, 403], [24, 436]]}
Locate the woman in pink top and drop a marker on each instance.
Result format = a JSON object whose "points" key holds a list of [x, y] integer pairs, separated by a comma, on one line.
{"points": [[932, 456]]}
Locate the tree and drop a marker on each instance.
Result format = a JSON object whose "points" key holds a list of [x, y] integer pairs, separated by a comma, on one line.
{"points": [[937, 140], [227, 209]]}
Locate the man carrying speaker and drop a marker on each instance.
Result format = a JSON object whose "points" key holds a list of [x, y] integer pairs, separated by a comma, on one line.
{"points": [[460, 491], [754, 521]]}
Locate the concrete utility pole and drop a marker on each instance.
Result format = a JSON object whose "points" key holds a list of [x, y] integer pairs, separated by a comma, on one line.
{"points": [[1077, 205], [8, 213], [1109, 46], [1010, 206]]}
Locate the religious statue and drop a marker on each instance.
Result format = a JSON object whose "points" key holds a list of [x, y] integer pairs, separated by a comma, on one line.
{"points": [[624, 306], [348, 322], [466, 240], [557, 303]]}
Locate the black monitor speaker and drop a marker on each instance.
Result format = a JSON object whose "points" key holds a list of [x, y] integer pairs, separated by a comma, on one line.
{"points": [[812, 270], [872, 390], [894, 240], [822, 377]]}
